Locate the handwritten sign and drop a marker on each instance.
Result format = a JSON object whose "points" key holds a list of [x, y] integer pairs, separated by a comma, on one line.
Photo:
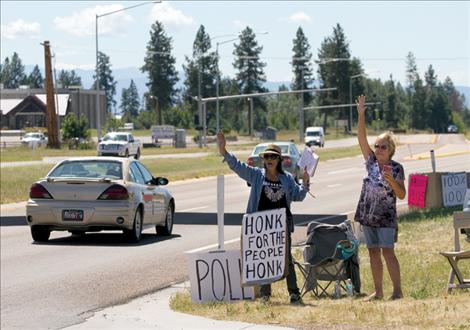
{"points": [[454, 186], [309, 160], [417, 190], [263, 247], [215, 276]]}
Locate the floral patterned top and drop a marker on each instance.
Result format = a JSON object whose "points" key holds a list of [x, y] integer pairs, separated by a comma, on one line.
{"points": [[377, 203]]}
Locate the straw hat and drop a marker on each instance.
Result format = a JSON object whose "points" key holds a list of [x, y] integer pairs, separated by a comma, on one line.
{"points": [[271, 149]]}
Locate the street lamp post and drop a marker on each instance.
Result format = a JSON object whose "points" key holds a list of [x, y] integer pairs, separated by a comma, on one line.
{"points": [[350, 98], [98, 108]]}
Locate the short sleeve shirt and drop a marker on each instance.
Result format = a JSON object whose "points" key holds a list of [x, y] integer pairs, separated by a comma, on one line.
{"points": [[377, 203]]}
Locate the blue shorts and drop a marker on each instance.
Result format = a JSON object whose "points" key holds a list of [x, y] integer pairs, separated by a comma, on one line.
{"points": [[379, 237]]}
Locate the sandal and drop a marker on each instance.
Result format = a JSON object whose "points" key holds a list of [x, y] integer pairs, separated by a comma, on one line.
{"points": [[372, 297]]}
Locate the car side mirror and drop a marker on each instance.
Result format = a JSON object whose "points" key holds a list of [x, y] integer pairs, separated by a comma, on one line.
{"points": [[160, 181]]}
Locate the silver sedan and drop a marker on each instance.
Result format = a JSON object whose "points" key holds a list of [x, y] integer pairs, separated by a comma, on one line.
{"points": [[96, 193]]}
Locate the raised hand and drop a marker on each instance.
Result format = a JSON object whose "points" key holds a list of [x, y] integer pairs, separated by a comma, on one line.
{"points": [[361, 104], [221, 142]]}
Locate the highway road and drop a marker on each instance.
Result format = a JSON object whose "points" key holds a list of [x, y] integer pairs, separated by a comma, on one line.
{"points": [[59, 283]]}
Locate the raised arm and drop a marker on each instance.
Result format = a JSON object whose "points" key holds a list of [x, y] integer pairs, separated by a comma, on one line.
{"points": [[361, 127]]}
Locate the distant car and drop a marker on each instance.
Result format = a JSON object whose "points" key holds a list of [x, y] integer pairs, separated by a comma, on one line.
{"points": [[452, 129], [96, 193], [290, 157], [119, 144], [314, 136], [31, 138]]}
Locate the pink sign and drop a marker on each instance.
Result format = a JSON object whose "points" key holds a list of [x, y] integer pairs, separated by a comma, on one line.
{"points": [[417, 190]]}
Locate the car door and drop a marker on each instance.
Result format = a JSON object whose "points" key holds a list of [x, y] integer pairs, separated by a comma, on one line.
{"points": [[159, 208], [145, 191]]}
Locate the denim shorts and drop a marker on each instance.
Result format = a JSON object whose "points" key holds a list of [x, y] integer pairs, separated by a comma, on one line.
{"points": [[380, 237]]}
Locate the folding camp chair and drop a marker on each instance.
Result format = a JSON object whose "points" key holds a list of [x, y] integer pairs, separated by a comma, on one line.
{"points": [[461, 220], [330, 256]]}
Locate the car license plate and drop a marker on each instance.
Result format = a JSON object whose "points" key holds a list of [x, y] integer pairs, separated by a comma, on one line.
{"points": [[72, 215]]}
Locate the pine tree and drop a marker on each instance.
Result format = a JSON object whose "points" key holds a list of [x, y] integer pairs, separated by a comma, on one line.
{"points": [[419, 113], [203, 65], [106, 80], [411, 71], [70, 78], [250, 74], [130, 102], [35, 79], [430, 78], [160, 67], [12, 72], [302, 66], [334, 70], [5, 73]]}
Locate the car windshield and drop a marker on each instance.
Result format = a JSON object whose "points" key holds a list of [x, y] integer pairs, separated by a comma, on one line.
{"points": [[316, 133], [259, 149], [115, 137], [33, 135], [88, 169]]}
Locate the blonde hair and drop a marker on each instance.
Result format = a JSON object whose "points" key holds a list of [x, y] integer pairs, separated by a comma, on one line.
{"points": [[390, 138]]}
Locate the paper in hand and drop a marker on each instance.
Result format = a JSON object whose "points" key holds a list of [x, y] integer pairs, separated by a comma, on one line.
{"points": [[310, 160]]}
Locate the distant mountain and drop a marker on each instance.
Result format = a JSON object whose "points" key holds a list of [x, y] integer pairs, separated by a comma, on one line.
{"points": [[465, 91]]}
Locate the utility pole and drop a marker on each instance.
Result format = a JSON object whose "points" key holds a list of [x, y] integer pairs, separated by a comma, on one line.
{"points": [[52, 136]]}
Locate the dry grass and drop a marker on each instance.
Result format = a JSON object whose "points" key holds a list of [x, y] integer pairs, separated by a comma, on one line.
{"points": [[16, 181], [424, 275]]}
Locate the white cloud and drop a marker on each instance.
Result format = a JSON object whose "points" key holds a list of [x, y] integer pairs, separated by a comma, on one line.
{"points": [[169, 16], [82, 23], [299, 17], [21, 28]]}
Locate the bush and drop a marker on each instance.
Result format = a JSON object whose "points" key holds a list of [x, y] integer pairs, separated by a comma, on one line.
{"points": [[73, 127]]}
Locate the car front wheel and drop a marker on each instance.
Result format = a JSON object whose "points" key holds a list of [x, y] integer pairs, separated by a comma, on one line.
{"points": [[40, 234], [168, 227], [135, 234]]}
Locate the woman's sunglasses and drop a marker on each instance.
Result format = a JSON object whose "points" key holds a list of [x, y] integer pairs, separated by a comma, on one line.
{"points": [[271, 157], [380, 146]]}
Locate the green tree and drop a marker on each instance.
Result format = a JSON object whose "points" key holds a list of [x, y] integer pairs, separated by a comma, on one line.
{"points": [[203, 66], [334, 71], [130, 102], [35, 79], [159, 65], [250, 74], [440, 115], [69, 78], [106, 80], [302, 66], [12, 72], [419, 113], [73, 127], [411, 72], [430, 78]]}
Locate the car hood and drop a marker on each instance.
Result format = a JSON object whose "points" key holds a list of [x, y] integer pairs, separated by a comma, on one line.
{"points": [[113, 142]]}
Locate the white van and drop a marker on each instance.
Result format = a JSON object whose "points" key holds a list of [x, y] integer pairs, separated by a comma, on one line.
{"points": [[315, 136]]}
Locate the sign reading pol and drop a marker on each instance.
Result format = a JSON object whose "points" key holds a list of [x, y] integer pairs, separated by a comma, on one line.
{"points": [[215, 276], [454, 186], [263, 247]]}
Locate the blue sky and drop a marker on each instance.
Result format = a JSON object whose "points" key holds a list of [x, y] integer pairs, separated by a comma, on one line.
{"points": [[380, 33]]}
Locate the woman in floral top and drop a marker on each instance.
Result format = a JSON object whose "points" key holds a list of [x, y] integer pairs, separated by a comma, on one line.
{"points": [[376, 210]]}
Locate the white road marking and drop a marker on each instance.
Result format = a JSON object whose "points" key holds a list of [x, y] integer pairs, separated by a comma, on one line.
{"points": [[334, 185], [213, 246], [194, 208], [346, 170]]}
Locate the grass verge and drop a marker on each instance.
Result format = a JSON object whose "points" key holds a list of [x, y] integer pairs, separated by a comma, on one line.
{"points": [[424, 276], [16, 181]]}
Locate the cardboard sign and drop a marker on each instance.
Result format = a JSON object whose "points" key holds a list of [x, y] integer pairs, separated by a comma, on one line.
{"points": [[215, 276], [454, 186], [417, 190], [263, 247]]}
